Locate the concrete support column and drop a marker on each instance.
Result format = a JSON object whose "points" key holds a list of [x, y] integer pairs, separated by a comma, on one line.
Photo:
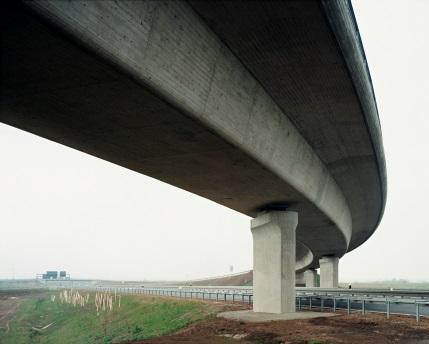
{"points": [[300, 279], [329, 272], [310, 277], [274, 249]]}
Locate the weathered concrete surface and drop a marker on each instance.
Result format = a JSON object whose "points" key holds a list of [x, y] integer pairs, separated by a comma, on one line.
{"points": [[310, 277], [159, 89], [169, 50], [249, 316], [300, 279], [274, 243], [292, 48], [329, 272]]}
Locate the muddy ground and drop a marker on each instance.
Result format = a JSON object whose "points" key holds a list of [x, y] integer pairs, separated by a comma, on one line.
{"points": [[355, 328]]}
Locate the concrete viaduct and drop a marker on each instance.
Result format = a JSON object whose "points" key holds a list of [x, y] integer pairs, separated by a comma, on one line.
{"points": [[264, 107]]}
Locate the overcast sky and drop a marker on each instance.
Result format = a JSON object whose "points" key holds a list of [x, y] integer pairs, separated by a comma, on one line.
{"points": [[63, 209]]}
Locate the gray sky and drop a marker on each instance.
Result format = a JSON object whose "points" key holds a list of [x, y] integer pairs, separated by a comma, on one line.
{"points": [[63, 209]]}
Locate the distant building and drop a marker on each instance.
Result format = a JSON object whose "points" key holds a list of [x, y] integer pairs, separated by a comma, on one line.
{"points": [[54, 275]]}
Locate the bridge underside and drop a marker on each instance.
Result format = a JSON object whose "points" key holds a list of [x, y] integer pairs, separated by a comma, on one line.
{"points": [[202, 98], [307, 55], [57, 89]]}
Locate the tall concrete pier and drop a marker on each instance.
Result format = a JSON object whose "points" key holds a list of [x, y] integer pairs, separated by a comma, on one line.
{"points": [[274, 246], [329, 272], [310, 277], [253, 105]]}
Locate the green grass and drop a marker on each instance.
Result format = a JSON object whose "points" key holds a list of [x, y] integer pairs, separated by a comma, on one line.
{"points": [[138, 318]]}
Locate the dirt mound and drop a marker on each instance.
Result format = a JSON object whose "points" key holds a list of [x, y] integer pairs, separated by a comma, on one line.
{"points": [[371, 328], [241, 279]]}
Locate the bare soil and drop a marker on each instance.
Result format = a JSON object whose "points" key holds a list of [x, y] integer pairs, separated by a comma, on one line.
{"points": [[10, 302], [245, 278], [355, 328]]}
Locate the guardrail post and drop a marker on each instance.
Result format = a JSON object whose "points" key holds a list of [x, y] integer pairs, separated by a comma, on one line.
{"points": [[335, 304], [233, 299], [363, 306], [348, 306], [299, 303], [224, 297], [387, 309], [217, 297], [310, 302], [417, 312], [321, 304]]}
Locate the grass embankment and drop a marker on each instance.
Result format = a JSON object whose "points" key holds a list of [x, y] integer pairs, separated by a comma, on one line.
{"points": [[138, 317]]}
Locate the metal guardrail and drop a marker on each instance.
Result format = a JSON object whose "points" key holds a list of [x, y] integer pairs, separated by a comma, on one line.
{"points": [[182, 293], [306, 298], [388, 306], [337, 291], [399, 293]]}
